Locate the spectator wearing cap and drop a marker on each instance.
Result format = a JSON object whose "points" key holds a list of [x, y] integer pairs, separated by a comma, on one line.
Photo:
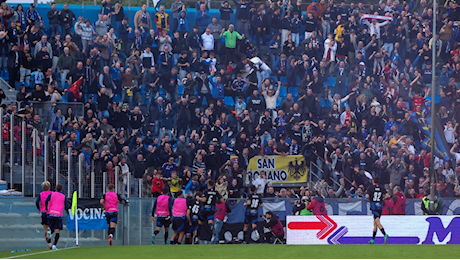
{"points": [[32, 16]]}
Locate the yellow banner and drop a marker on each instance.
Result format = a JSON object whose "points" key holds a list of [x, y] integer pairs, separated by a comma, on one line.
{"points": [[279, 169]]}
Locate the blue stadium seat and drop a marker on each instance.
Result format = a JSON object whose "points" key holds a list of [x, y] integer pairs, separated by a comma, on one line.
{"points": [[180, 89], [5, 75], [283, 92], [294, 92], [331, 82], [279, 100], [228, 101], [283, 80]]}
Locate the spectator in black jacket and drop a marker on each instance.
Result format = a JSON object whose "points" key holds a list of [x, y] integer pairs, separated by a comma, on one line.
{"points": [[140, 168], [53, 20], [66, 19], [39, 94]]}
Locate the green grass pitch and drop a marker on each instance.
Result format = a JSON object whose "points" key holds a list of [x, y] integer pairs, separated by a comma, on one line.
{"points": [[252, 251]]}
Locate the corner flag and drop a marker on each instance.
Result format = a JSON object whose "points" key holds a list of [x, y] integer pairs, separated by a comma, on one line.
{"points": [[74, 202], [74, 208]]}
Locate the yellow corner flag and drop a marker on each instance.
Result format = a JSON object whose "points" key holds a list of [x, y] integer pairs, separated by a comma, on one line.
{"points": [[74, 202]]}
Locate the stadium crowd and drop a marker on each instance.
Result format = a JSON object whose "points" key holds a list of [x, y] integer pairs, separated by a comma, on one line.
{"points": [[170, 103]]}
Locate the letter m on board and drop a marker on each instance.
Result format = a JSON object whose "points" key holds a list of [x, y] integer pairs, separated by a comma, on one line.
{"points": [[436, 227]]}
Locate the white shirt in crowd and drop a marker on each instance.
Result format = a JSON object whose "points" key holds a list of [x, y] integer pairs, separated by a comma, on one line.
{"points": [[259, 63], [124, 172], [260, 184], [208, 42], [449, 134]]}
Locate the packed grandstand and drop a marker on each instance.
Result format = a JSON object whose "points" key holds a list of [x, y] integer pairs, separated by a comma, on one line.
{"points": [[182, 96]]}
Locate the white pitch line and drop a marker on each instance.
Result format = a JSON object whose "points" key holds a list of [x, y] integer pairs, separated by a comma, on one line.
{"points": [[39, 253]]}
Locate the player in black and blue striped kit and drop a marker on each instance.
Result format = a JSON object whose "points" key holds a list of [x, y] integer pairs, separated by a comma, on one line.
{"points": [[252, 205], [208, 208], [377, 195]]}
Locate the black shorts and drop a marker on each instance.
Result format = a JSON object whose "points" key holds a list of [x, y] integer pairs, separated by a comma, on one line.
{"points": [[55, 222], [44, 219], [111, 217], [376, 209], [206, 214], [377, 213], [163, 222], [178, 224], [189, 229], [250, 217]]}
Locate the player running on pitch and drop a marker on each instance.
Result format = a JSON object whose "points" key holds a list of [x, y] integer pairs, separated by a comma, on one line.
{"points": [[55, 205], [162, 208], [193, 212], [40, 203], [110, 202], [179, 218], [376, 195], [208, 208], [252, 204]]}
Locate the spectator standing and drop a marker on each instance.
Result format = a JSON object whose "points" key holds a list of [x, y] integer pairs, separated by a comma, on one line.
{"points": [[66, 18], [162, 21], [176, 7], [230, 42], [142, 19], [32, 16], [243, 15], [202, 19], [225, 12], [53, 20]]}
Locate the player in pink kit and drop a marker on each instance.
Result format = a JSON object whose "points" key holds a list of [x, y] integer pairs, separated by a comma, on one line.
{"points": [[162, 208], [55, 205], [110, 202], [40, 203], [179, 218]]}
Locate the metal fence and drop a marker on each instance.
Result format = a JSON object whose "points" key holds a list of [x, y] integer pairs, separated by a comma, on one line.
{"points": [[29, 156]]}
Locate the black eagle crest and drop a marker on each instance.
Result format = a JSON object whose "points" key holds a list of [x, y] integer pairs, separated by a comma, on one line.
{"points": [[297, 170]]}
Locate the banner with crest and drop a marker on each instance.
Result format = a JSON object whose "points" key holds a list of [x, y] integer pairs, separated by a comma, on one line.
{"points": [[291, 169]]}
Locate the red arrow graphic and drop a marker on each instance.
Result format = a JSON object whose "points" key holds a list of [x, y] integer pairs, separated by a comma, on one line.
{"points": [[326, 226]]}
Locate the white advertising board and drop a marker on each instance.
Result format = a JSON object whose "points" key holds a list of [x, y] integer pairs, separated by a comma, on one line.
{"points": [[319, 230]]}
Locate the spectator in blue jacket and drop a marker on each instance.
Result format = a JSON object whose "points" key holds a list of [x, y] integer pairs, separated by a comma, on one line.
{"points": [[202, 19], [192, 186], [217, 87]]}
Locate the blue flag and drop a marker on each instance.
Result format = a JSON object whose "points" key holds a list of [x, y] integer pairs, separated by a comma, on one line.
{"points": [[441, 148]]}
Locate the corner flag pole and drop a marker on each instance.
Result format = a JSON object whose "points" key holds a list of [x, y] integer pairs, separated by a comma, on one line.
{"points": [[74, 208], [433, 115]]}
